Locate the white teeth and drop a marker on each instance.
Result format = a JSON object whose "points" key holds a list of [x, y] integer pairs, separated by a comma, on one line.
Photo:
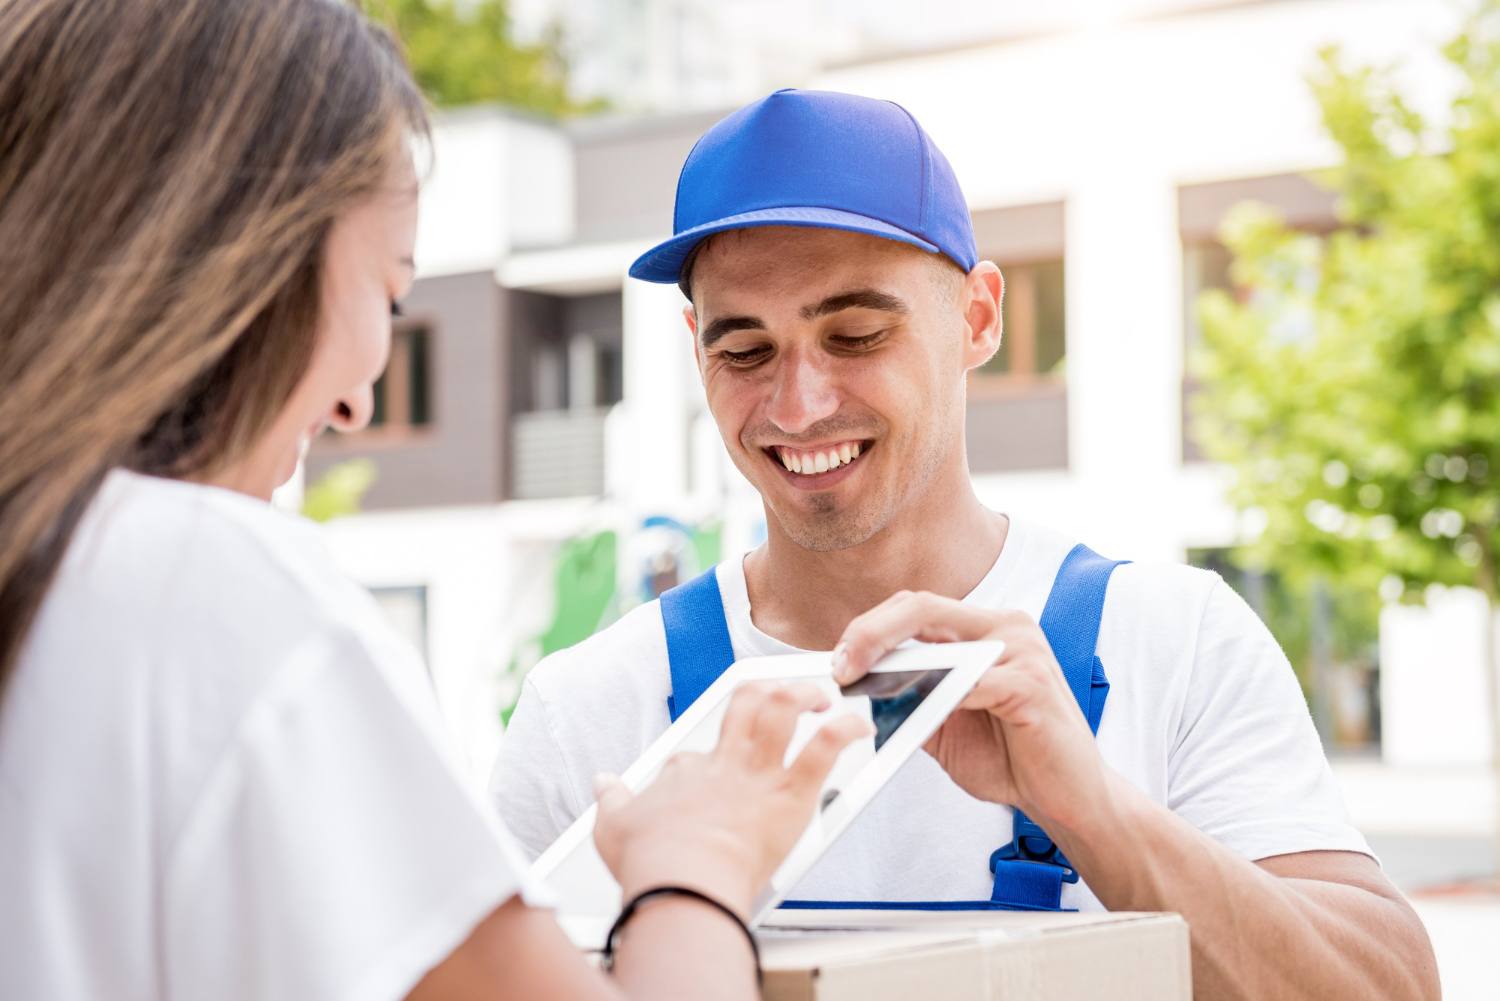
{"points": [[810, 463]]}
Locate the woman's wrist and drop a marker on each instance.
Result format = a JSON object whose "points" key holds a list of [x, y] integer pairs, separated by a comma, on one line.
{"points": [[691, 895], [720, 874]]}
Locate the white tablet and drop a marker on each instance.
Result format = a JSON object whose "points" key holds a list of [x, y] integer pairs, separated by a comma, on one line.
{"points": [[906, 696]]}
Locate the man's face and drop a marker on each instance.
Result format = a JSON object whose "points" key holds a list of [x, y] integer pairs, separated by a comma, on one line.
{"points": [[834, 365]]}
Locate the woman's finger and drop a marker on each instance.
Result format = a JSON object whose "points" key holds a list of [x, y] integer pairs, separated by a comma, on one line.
{"points": [[774, 705], [776, 722], [907, 615], [816, 760], [739, 715], [611, 794]]}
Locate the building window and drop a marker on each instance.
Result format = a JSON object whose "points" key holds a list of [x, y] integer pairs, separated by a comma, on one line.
{"points": [[1018, 401], [1205, 265], [1201, 210], [568, 352], [1035, 339], [403, 397], [567, 372], [405, 608]]}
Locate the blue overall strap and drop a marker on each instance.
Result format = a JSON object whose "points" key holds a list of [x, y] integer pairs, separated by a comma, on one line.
{"points": [[1029, 872], [698, 647]]}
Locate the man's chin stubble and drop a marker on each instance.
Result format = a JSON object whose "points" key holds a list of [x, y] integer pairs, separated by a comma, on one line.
{"points": [[826, 529]]}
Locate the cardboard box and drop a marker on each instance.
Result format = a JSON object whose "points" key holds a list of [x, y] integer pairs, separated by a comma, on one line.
{"points": [[841, 955]]}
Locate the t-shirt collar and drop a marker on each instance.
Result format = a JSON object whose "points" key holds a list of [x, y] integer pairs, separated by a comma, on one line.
{"points": [[750, 641]]}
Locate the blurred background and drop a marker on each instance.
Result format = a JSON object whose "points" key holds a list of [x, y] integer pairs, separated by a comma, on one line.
{"points": [[1252, 254]]}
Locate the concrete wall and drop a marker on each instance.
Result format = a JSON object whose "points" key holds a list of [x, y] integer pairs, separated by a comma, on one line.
{"points": [[627, 174], [492, 180]]}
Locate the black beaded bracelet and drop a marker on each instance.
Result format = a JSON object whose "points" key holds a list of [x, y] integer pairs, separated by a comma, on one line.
{"points": [[626, 913]]}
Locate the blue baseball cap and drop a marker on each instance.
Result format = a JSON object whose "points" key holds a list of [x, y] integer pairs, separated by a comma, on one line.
{"points": [[819, 159]]}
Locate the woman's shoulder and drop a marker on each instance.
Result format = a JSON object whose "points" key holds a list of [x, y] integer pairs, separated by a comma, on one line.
{"points": [[177, 568], [180, 615]]}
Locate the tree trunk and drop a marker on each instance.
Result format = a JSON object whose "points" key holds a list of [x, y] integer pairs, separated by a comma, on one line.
{"points": [[1492, 703], [1489, 583], [1320, 654]]}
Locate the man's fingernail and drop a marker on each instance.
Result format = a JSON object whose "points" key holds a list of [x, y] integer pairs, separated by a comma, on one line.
{"points": [[840, 660]]}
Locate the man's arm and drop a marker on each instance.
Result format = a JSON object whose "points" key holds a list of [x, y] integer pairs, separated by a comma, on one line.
{"points": [[1324, 926], [533, 785]]}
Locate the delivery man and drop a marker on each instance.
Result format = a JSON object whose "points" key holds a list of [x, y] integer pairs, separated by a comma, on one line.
{"points": [[1141, 745]]}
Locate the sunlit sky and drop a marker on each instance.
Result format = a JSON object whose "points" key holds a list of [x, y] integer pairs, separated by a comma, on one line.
{"points": [[667, 54]]}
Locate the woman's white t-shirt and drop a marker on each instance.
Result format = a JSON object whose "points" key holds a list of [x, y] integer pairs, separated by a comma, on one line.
{"points": [[222, 775]]}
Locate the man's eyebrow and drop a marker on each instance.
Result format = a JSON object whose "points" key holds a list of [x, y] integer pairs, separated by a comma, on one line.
{"points": [[726, 325], [862, 298]]}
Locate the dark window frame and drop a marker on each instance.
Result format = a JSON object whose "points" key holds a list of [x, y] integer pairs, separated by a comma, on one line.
{"points": [[404, 408]]}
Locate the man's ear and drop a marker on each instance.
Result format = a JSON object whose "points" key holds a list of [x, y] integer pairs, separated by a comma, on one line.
{"points": [[983, 293], [692, 325]]}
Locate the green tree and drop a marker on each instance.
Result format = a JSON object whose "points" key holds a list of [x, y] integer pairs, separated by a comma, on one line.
{"points": [[1354, 383], [339, 491], [463, 52]]}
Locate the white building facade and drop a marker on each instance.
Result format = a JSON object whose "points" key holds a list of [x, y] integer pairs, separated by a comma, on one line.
{"points": [[1097, 160]]}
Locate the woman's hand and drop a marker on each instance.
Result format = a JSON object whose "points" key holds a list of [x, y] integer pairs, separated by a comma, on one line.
{"points": [[722, 822], [1019, 737]]}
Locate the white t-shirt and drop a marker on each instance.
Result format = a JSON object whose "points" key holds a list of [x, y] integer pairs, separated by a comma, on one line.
{"points": [[1204, 715], [221, 774]]}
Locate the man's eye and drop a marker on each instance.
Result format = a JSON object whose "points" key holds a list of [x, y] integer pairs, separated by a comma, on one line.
{"points": [[749, 357], [859, 343]]}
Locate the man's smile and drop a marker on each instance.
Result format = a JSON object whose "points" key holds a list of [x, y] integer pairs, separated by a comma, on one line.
{"points": [[818, 467]]}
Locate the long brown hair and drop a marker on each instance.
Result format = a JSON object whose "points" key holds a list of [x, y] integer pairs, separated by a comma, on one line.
{"points": [[169, 172]]}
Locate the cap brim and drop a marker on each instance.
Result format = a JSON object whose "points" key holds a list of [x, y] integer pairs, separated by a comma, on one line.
{"points": [[663, 262]]}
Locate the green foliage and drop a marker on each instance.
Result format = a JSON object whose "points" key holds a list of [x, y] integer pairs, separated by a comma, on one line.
{"points": [[583, 591], [462, 52], [339, 491], [1354, 385]]}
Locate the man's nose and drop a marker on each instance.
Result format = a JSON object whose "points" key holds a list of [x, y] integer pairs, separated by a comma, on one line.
{"points": [[803, 393]]}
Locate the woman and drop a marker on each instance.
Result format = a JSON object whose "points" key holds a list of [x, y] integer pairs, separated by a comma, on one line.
{"points": [[219, 775]]}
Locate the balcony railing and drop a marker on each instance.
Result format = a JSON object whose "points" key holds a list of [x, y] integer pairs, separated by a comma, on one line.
{"points": [[557, 453]]}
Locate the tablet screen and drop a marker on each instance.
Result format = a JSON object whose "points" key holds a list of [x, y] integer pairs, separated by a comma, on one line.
{"points": [[894, 696], [887, 699]]}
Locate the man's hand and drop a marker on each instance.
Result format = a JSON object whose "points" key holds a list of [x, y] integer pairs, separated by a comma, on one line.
{"points": [[1019, 737], [1315, 925]]}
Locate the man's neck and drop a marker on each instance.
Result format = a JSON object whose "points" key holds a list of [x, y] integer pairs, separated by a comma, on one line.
{"points": [[806, 598]]}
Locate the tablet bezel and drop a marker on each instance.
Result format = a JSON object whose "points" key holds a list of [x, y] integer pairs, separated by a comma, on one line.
{"points": [[965, 663]]}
